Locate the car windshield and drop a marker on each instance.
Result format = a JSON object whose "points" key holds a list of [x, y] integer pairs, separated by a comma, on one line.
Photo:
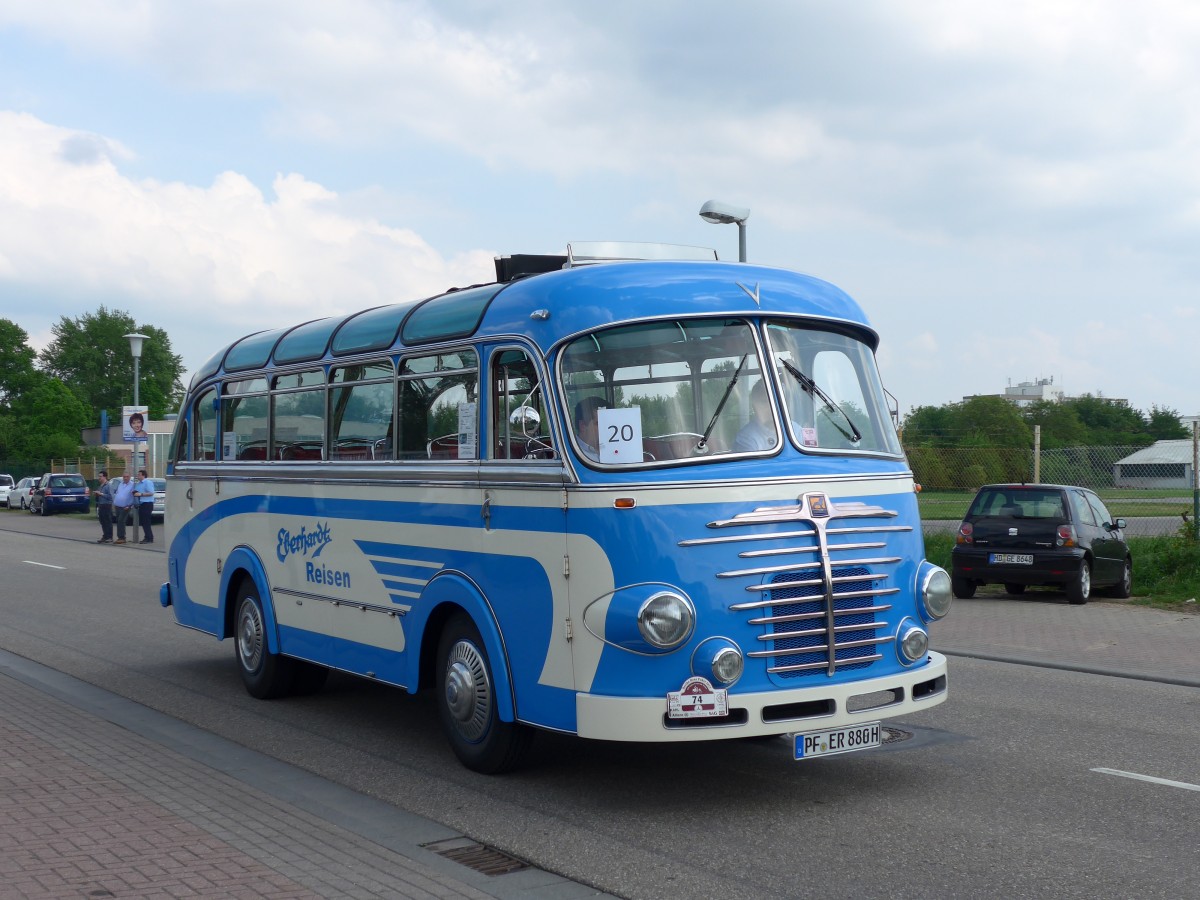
{"points": [[1018, 503], [159, 484]]}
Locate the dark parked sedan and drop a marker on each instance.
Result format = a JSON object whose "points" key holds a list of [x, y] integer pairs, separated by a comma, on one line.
{"points": [[60, 493], [1019, 535]]}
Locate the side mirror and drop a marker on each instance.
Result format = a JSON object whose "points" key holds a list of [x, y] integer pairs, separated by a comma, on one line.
{"points": [[1118, 525]]}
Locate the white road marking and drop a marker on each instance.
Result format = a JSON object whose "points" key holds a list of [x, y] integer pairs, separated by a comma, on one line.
{"points": [[1134, 775], [43, 565]]}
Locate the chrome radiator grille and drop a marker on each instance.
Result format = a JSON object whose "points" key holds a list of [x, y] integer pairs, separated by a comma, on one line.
{"points": [[822, 610]]}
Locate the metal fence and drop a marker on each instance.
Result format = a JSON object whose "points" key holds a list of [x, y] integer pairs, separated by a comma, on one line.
{"points": [[1153, 489]]}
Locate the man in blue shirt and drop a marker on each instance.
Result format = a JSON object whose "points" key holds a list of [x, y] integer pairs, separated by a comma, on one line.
{"points": [[122, 504], [143, 491]]}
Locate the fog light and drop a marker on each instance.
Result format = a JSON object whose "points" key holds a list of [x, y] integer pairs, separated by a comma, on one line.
{"points": [[719, 660], [727, 667], [913, 643], [665, 620]]}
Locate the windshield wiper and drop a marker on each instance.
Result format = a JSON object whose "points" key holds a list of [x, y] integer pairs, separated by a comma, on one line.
{"points": [[813, 388], [702, 444]]}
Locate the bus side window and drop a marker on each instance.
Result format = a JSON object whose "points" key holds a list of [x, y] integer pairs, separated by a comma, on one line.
{"points": [[436, 406], [520, 427], [360, 411], [204, 434]]}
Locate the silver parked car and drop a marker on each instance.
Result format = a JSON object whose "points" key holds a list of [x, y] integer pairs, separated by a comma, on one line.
{"points": [[6, 486], [18, 496]]}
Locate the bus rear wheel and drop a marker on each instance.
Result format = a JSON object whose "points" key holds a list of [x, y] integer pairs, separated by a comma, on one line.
{"points": [[266, 675], [466, 698]]}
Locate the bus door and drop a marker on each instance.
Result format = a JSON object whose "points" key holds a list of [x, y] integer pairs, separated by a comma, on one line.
{"points": [[523, 516]]}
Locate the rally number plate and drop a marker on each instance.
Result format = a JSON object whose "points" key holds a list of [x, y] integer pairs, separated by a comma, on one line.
{"points": [[836, 740], [1011, 559]]}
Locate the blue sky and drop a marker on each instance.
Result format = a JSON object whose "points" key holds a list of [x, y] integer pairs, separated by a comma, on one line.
{"points": [[1009, 191]]}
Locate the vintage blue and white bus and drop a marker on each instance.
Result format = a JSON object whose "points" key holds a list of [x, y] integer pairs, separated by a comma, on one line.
{"points": [[629, 493]]}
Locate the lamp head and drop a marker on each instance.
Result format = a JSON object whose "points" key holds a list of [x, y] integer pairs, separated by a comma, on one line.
{"points": [[135, 344], [723, 214]]}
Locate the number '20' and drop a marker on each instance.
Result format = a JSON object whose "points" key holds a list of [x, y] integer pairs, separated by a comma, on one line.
{"points": [[623, 433]]}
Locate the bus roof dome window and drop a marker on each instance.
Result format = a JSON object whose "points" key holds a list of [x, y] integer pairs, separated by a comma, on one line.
{"points": [[373, 329], [305, 342], [452, 315], [252, 352]]}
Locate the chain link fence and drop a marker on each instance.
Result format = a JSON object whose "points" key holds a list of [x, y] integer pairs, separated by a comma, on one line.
{"points": [[1152, 488]]}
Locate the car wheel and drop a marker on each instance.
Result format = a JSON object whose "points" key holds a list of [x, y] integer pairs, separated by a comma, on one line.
{"points": [[266, 675], [964, 588], [43, 509], [1123, 588], [1079, 588], [1014, 589], [466, 698]]}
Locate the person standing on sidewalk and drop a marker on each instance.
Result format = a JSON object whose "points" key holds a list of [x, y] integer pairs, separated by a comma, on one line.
{"points": [[122, 503], [104, 507], [143, 492]]}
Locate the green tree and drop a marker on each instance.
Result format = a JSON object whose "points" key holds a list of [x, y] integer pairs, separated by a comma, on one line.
{"points": [[1164, 424], [1061, 425], [16, 362], [51, 418], [91, 354], [1109, 423]]}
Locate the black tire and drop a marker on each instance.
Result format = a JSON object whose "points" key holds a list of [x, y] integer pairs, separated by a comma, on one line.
{"points": [[266, 675], [1124, 588], [466, 701], [42, 509], [1014, 589], [1079, 588], [964, 588]]}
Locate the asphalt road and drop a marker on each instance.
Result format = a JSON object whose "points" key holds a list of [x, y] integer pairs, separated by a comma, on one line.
{"points": [[1006, 790]]}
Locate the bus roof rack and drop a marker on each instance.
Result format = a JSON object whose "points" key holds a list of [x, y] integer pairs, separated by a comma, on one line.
{"points": [[586, 253]]}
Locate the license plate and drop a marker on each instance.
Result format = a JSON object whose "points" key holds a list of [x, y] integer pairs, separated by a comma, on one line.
{"points": [[836, 740], [1012, 559]]}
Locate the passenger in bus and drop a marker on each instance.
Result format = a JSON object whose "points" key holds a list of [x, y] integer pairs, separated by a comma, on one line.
{"points": [[759, 433], [587, 426]]}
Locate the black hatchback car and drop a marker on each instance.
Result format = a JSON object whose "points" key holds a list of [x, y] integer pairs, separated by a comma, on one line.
{"points": [[1019, 535]]}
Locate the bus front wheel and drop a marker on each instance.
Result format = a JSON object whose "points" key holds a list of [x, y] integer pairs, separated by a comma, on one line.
{"points": [[466, 697], [266, 675]]}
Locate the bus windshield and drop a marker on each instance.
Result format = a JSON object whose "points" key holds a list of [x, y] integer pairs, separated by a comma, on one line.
{"points": [[694, 388], [831, 390]]}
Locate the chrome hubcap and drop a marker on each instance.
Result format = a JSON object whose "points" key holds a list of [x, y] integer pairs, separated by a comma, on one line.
{"points": [[250, 636], [468, 691]]}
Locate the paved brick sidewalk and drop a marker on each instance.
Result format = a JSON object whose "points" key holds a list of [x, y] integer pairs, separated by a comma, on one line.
{"points": [[90, 808]]}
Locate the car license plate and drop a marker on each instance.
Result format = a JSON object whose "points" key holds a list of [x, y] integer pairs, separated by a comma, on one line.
{"points": [[836, 740], [1011, 559]]}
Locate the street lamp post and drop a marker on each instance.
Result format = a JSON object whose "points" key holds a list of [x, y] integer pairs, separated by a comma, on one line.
{"points": [[135, 348], [723, 214]]}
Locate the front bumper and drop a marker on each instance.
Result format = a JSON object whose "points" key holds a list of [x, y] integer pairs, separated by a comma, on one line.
{"points": [[769, 712]]}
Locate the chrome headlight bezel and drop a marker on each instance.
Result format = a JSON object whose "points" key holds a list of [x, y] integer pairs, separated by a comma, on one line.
{"points": [[912, 643], [666, 620], [719, 660], [934, 591]]}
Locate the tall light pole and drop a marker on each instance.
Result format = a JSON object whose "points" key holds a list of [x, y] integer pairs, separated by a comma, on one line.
{"points": [[723, 214], [135, 347]]}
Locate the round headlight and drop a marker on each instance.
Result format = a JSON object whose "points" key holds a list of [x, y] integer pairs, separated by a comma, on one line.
{"points": [[727, 665], [914, 643], [936, 593], [665, 620]]}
